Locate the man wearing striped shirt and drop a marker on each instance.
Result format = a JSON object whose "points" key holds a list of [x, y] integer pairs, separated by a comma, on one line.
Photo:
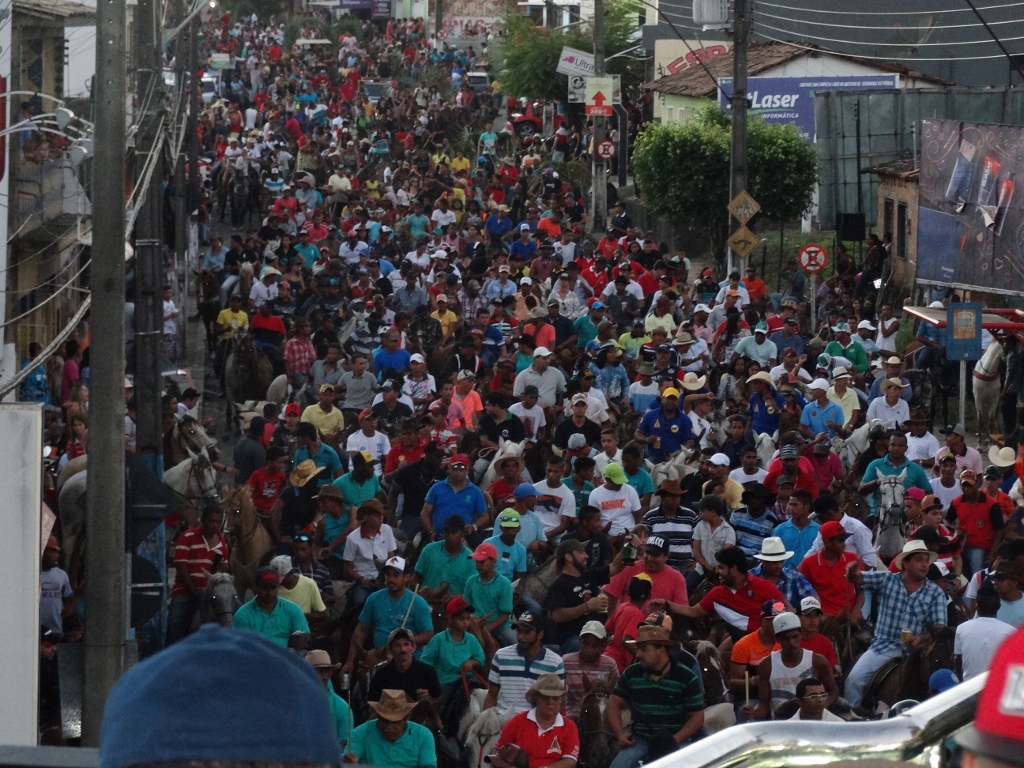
{"points": [[674, 523], [516, 668]]}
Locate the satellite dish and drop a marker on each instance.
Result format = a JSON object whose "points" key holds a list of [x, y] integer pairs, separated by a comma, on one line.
{"points": [[908, 39]]}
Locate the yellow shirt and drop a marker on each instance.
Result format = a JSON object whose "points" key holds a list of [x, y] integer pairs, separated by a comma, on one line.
{"points": [[230, 322], [447, 320], [441, 157], [849, 403], [461, 164], [305, 594], [326, 423]]}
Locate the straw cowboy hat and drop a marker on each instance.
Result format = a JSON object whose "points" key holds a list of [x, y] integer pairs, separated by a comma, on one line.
{"points": [[773, 550], [761, 376], [303, 473], [393, 705], [1002, 457], [913, 548], [546, 685], [321, 660]]}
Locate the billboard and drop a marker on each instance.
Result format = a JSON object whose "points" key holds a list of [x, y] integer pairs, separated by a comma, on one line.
{"points": [[672, 55], [970, 229], [791, 99]]}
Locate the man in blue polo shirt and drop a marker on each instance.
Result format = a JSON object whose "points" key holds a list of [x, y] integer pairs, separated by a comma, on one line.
{"points": [[765, 404], [269, 615], [455, 496], [498, 226], [820, 415], [893, 463], [525, 246], [666, 429]]}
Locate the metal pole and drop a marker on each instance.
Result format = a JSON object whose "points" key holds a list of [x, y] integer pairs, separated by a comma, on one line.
{"points": [[149, 267], [814, 298], [856, 121], [738, 150], [104, 549], [181, 50], [963, 392], [599, 183]]}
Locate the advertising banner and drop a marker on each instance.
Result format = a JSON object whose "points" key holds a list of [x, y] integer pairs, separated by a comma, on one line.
{"points": [[791, 99], [970, 229], [672, 55]]}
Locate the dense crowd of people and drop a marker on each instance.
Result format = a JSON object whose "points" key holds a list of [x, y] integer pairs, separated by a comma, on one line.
{"points": [[501, 455]]}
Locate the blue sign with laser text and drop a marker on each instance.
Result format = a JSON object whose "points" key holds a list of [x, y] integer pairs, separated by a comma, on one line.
{"points": [[791, 99]]}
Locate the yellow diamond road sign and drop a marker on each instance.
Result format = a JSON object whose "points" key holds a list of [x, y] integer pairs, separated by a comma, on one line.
{"points": [[743, 242], [743, 207]]}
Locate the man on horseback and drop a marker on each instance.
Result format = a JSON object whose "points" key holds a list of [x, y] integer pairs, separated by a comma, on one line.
{"points": [[910, 608], [273, 617], [198, 553]]}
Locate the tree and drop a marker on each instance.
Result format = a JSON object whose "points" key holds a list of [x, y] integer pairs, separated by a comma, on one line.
{"points": [[524, 58], [682, 171]]}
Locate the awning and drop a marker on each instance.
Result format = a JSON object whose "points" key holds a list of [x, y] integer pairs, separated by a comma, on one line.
{"points": [[992, 319]]}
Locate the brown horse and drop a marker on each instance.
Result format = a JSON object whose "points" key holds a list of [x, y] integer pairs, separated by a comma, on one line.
{"points": [[208, 305], [907, 677], [250, 540], [598, 746]]}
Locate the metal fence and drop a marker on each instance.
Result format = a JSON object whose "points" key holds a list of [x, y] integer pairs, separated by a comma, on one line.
{"points": [[859, 129]]}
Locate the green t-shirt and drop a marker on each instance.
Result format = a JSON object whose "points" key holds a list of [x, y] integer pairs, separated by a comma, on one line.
{"points": [[490, 598], [447, 656], [342, 716], [413, 749], [277, 626], [356, 493], [642, 482], [436, 565], [586, 331]]}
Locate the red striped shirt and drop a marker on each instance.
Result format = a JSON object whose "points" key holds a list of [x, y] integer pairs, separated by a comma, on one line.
{"points": [[192, 551]]}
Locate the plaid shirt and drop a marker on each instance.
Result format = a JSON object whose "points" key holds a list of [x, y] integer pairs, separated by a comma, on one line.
{"points": [[468, 305], [793, 585], [299, 355], [898, 610]]}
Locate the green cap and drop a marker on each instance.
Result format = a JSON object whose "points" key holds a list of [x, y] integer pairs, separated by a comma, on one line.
{"points": [[615, 473], [508, 518]]}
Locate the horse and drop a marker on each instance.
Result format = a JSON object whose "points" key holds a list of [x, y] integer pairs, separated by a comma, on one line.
{"points": [[505, 449], [192, 480], [889, 539], [483, 734], [537, 584], [850, 449], [240, 197], [208, 305], [907, 677], [250, 540], [598, 745], [187, 438], [676, 468], [765, 446], [246, 277], [219, 601], [247, 374], [987, 388]]}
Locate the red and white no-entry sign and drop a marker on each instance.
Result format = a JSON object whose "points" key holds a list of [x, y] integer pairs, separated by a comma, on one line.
{"points": [[606, 149], [813, 258]]}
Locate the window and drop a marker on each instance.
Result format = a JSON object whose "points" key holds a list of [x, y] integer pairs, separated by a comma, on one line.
{"points": [[900, 233], [671, 114], [887, 215]]}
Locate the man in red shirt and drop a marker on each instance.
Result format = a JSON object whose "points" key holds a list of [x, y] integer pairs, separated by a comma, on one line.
{"points": [[199, 552], [668, 585], [737, 599], [979, 518], [608, 244], [267, 482], [810, 638], [826, 571]]}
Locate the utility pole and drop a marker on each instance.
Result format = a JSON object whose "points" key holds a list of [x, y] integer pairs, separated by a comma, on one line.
{"points": [[738, 153], [104, 549], [182, 82], [599, 184], [149, 257], [438, 19], [195, 104]]}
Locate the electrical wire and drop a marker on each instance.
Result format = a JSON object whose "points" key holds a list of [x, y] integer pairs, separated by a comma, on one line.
{"points": [[866, 57], [885, 13], [48, 299], [874, 44], [875, 28], [50, 348]]}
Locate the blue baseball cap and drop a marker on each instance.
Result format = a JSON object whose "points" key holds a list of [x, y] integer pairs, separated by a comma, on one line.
{"points": [[597, 305], [524, 491], [172, 707]]}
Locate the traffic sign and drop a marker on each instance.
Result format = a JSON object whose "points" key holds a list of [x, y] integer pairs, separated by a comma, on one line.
{"points": [[606, 149], [598, 97], [813, 259], [743, 242], [577, 88], [743, 207]]}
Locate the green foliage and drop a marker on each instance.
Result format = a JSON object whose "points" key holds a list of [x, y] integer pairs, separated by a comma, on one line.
{"points": [[524, 58], [682, 171]]}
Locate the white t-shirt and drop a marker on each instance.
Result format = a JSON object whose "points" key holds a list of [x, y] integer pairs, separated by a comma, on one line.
{"points": [[378, 445], [780, 375], [922, 448], [361, 552], [532, 418], [945, 495], [442, 218], [976, 642], [712, 542], [54, 587], [170, 323], [617, 507], [886, 343], [602, 460], [702, 427], [741, 477], [553, 504]]}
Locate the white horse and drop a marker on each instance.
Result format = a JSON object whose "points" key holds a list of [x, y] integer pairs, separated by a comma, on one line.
{"points": [[889, 538], [765, 446], [851, 448], [676, 468], [484, 732], [986, 390], [505, 449]]}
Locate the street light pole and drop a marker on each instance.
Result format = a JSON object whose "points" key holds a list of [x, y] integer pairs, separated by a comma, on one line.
{"points": [[599, 187], [104, 549], [738, 101]]}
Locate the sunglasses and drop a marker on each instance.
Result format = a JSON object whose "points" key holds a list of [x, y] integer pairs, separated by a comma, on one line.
{"points": [[822, 695], [458, 466], [302, 537]]}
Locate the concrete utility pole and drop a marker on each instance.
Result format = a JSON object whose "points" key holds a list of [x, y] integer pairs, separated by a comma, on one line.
{"points": [[738, 153], [599, 185], [182, 81], [149, 258], [104, 551]]}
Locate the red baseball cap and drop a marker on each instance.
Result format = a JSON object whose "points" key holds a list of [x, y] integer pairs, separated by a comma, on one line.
{"points": [[833, 529], [485, 551], [458, 605], [366, 413], [916, 494], [999, 721], [292, 409], [459, 458]]}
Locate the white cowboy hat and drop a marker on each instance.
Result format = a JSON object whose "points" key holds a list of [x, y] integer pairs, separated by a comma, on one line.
{"points": [[692, 381], [913, 548], [761, 376], [773, 550], [1002, 457]]}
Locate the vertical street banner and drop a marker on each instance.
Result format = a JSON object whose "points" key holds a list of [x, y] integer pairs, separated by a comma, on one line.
{"points": [[970, 229]]}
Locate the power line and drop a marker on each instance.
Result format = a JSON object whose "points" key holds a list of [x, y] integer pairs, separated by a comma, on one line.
{"points": [[875, 28], [866, 57], [886, 13], [998, 42], [874, 44]]}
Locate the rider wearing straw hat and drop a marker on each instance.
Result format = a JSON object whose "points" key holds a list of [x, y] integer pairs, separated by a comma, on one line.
{"points": [[321, 662], [548, 739], [391, 739]]}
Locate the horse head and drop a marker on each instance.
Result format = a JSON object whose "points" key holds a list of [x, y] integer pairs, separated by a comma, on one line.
{"points": [[190, 434], [238, 508], [891, 495], [765, 446], [712, 672], [220, 600]]}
